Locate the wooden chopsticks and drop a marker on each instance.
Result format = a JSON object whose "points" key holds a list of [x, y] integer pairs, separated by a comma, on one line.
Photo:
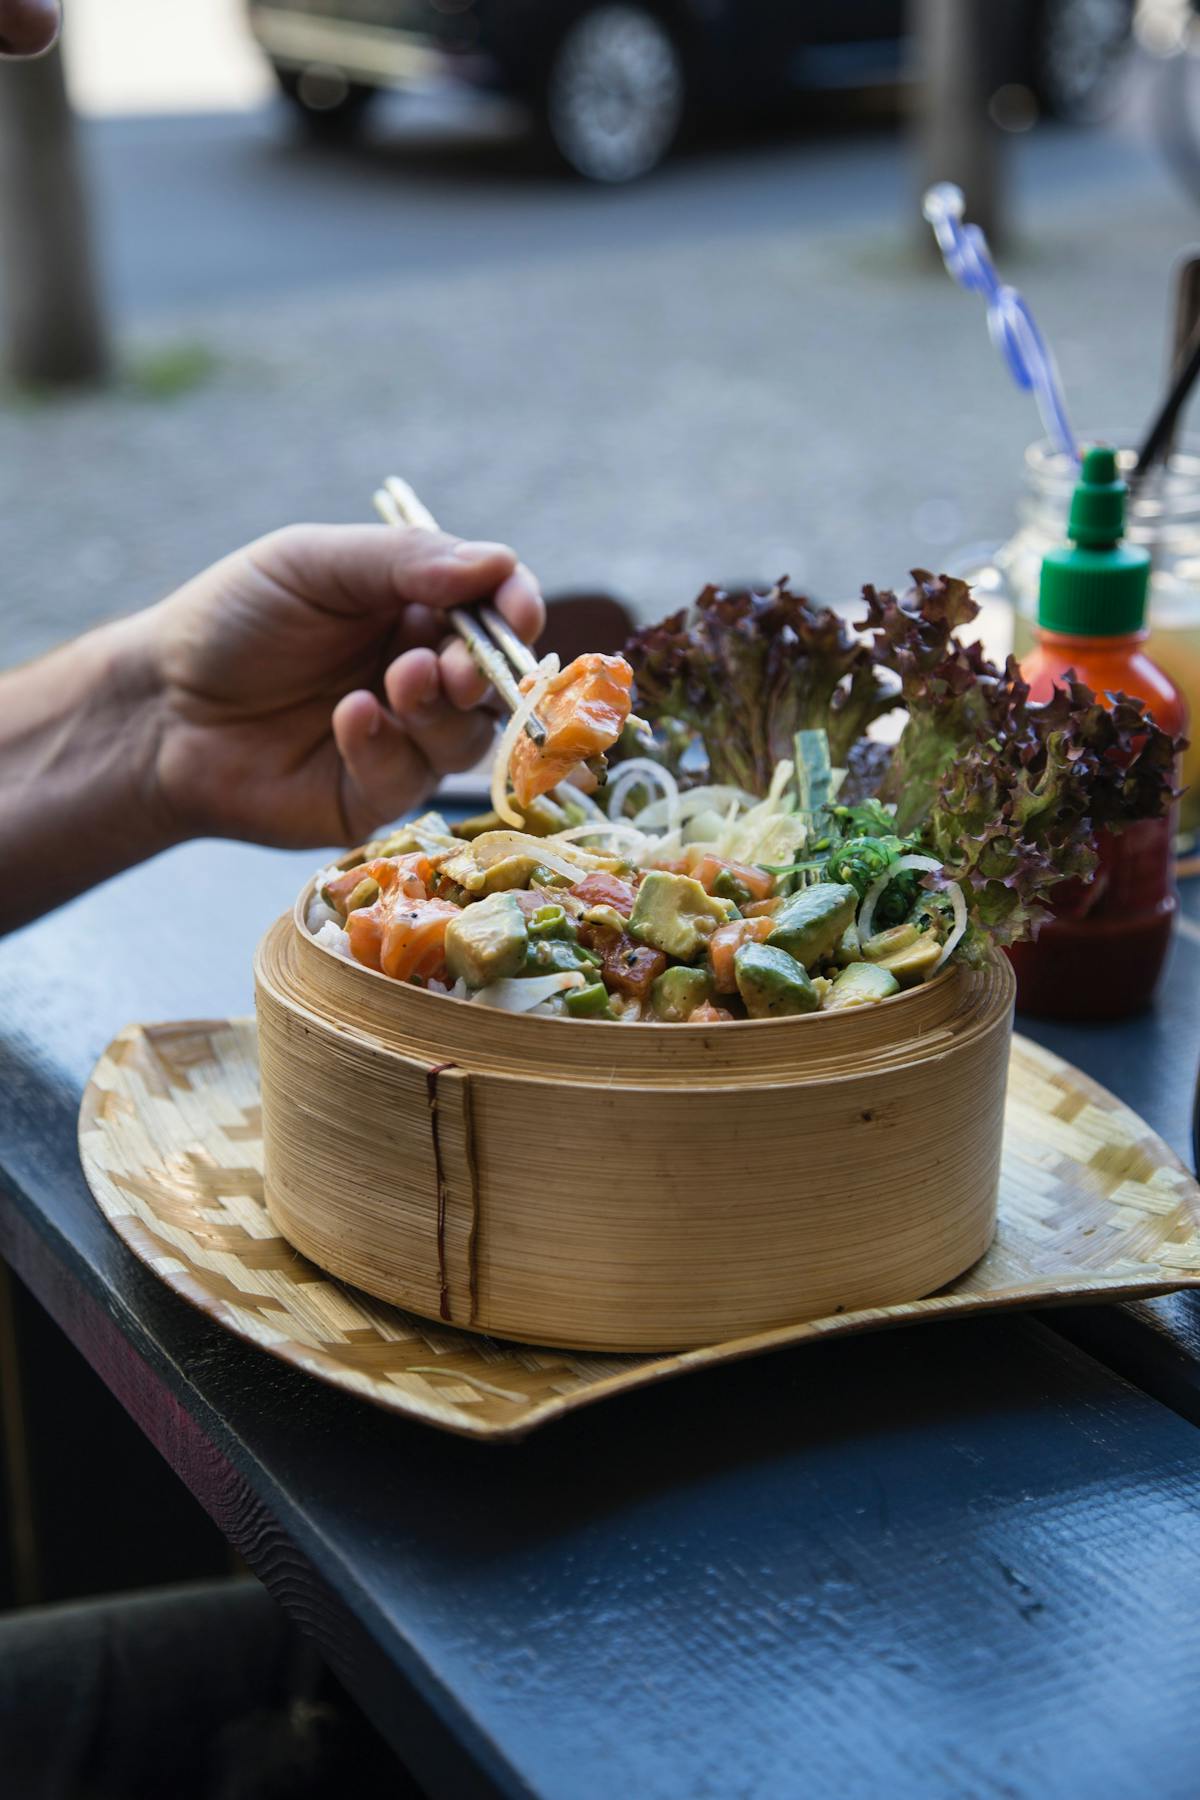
{"points": [[498, 652]]}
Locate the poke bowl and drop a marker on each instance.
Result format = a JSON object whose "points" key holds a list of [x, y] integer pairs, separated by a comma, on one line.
{"points": [[673, 1072]]}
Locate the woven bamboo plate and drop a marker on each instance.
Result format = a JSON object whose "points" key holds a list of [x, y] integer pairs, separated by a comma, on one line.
{"points": [[1092, 1206]]}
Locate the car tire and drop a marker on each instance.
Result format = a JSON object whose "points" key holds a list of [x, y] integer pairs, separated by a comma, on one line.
{"points": [[616, 92], [330, 107], [1078, 48]]}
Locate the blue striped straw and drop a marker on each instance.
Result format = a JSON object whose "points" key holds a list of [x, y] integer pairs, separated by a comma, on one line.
{"points": [[1011, 324]]}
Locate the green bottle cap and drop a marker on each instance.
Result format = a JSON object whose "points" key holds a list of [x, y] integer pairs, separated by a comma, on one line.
{"points": [[1096, 585]]}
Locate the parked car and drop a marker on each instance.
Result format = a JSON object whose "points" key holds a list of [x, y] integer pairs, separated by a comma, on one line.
{"points": [[611, 83]]}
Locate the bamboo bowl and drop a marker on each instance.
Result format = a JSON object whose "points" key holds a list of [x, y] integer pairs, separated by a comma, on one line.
{"points": [[632, 1187]]}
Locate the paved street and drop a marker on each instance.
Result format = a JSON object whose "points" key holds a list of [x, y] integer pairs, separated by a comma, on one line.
{"points": [[738, 368], [219, 206]]}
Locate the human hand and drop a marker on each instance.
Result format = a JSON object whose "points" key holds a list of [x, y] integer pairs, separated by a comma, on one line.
{"points": [[303, 698]]}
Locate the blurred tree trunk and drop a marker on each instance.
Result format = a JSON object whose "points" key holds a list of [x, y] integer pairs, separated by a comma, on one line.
{"points": [[53, 319], [956, 137]]}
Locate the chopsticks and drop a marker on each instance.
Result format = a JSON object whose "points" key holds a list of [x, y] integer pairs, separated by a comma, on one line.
{"points": [[495, 647]]}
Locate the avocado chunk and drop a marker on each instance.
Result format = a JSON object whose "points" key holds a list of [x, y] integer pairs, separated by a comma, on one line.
{"points": [[672, 913], [860, 984], [677, 993], [913, 962], [883, 944], [510, 872], [849, 949], [542, 817], [811, 924], [364, 894], [487, 941], [772, 983], [728, 887], [414, 836]]}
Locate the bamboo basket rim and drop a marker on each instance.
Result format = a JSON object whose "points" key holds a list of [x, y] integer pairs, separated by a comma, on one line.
{"points": [[537, 1020], [819, 1076], [326, 989]]}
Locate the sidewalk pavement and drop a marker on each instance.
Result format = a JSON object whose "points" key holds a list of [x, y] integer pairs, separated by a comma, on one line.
{"points": [[645, 420]]}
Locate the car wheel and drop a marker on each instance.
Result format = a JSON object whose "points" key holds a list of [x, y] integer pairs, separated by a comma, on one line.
{"points": [[615, 93], [1078, 48], [329, 106]]}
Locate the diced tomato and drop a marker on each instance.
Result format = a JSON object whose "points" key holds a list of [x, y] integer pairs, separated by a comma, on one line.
{"points": [[600, 889], [708, 1014], [725, 943], [757, 883], [671, 865], [628, 966], [763, 909], [584, 710]]}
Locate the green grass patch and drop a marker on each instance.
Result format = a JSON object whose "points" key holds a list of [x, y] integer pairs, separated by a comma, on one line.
{"points": [[174, 369]]}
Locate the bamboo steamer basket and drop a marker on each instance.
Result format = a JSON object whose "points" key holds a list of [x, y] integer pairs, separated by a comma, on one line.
{"points": [[627, 1187]]}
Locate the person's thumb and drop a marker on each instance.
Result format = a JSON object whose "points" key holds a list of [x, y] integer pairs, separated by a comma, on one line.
{"points": [[380, 568]]}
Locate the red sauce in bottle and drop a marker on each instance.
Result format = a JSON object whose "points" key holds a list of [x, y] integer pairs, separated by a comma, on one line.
{"points": [[1101, 955]]}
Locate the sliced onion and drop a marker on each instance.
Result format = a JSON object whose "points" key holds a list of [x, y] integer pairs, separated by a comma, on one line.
{"points": [[691, 801], [497, 846], [871, 900], [567, 794], [636, 772], [545, 672], [521, 994], [780, 780], [599, 828], [958, 902]]}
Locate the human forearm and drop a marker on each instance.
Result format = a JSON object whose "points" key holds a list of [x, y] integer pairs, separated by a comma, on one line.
{"points": [[78, 793], [300, 692]]}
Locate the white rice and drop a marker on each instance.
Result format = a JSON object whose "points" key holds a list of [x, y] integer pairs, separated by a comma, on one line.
{"points": [[460, 990], [331, 936]]}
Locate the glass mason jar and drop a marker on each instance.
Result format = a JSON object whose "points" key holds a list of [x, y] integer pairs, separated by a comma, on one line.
{"points": [[1164, 517]]}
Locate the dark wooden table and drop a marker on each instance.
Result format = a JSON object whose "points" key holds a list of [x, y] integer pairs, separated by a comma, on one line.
{"points": [[953, 1561]]}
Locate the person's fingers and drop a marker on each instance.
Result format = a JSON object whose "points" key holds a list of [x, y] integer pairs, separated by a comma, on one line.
{"points": [[416, 692], [28, 27], [462, 683], [519, 598], [383, 771], [357, 569], [520, 601], [419, 627]]}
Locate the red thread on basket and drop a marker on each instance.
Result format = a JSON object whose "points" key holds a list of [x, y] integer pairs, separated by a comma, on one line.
{"points": [[431, 1088]]}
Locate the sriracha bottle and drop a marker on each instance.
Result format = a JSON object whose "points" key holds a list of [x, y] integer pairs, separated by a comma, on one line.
{"points": [[1102, 953]]}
